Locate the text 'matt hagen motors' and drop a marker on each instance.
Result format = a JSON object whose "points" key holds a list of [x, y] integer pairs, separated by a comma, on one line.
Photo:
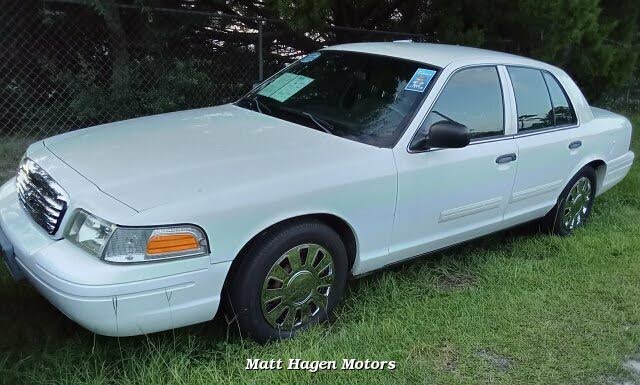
{"points": [[316, 365]]}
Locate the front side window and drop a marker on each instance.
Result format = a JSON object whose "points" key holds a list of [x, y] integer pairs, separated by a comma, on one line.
{"points": [[362, 97], [532, 99], [562, 109], [472, 97]]}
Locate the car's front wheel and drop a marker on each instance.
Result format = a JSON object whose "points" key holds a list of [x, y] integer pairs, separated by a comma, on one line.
{"points": [[291, 278]]}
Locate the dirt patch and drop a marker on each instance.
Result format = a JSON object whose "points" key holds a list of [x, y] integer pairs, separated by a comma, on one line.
{"points": [[500, 362], [448, 359], [454, 282], [633, 366]]}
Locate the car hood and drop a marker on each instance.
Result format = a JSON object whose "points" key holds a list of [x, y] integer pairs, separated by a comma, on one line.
{"points": [[151, 161]]}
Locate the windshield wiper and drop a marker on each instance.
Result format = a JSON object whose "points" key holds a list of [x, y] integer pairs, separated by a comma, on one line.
{"points": [[259, 106], [323, 124]]}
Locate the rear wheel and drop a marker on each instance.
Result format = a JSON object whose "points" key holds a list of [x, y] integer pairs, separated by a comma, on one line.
{"points": [[292, 278], [574, 204]]}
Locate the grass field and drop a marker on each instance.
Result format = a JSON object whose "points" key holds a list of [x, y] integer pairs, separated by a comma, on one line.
{"points": [[517, 307]]}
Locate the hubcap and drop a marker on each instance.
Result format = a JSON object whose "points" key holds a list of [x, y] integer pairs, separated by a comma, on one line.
{"points": [[297, 286], [577, 203]]}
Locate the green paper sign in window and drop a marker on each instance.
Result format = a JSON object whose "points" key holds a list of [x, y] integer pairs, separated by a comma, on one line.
{"points": [[276, 84], [285, 86]]}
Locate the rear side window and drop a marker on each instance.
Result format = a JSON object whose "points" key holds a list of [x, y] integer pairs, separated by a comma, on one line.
{"points": [[532, 99], [472, 97], [562, 109]]}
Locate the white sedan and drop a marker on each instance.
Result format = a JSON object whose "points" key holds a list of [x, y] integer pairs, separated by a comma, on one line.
{"points": [[354, 158]]}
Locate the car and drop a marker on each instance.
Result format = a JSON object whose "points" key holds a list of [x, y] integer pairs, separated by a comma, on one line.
{"points": [[352, 159]]}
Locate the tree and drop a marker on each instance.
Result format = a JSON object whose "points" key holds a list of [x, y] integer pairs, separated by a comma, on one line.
{"points": [[591, 39]]}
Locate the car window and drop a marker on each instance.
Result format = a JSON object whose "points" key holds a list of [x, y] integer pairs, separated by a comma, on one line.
{"points": [[532, 99], [472, 97], [363, 97], [562, 109]]}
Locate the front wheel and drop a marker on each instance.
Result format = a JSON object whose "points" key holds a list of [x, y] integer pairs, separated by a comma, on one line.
{"points": [[574, 204], [292, 278]]}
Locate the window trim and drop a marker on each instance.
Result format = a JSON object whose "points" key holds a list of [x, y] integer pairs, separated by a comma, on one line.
{"points": [[553, 128], [566, 96], [487, 139]]}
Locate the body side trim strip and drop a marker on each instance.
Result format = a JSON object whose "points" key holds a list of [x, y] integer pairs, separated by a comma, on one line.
{"points": [[535, 191], [473, 208]]}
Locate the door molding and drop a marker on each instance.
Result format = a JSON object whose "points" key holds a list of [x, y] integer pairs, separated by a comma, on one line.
{"points": [[535, 191], [471, 209]]}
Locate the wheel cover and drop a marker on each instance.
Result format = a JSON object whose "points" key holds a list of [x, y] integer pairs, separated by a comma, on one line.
{"points": [[576, 205], [297, 286]]}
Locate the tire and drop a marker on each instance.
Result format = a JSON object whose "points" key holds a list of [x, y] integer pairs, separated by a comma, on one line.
{"points": [[566, 216], [309, 283]]}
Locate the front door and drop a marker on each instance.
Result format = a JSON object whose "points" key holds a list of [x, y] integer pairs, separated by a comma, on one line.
{"points": [[447, 196]]}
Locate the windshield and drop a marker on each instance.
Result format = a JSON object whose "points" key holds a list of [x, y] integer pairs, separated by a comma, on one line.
{"points": [[362, 97]]}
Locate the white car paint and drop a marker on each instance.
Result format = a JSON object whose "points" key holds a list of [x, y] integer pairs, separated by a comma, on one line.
{"points": [[236, 172]]}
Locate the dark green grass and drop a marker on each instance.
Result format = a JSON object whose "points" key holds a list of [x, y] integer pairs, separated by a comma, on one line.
{"points": [[518, 307], [11, 149]]}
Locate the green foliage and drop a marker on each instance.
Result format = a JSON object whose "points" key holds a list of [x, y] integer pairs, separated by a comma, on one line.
{"points": [[591, 39], [303, 14], [75, 66], [596, 41], [153, 87]]}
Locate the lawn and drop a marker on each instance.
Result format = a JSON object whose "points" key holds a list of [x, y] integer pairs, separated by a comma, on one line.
{"points": [[518, 307]]}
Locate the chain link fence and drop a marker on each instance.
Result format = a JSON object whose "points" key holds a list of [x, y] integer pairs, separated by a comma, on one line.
{"points": [[66, 65]]}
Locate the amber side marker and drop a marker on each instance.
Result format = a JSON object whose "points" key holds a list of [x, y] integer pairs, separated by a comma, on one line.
{"points": [[171, 243]]}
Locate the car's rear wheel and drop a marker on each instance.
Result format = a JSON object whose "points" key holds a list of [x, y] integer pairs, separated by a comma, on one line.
{"points": [[291, 278], [574, 204]]}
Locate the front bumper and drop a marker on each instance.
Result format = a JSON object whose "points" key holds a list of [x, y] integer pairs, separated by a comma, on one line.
{"points": [[108, 299]]}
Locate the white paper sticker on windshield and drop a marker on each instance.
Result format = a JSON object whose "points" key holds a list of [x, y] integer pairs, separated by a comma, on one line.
{"points": [[420, 80], [277, 83], [291, 88]]}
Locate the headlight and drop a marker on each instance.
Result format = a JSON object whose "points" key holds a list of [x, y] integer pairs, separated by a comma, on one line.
{"points": [[129, 245], [89, 232]]}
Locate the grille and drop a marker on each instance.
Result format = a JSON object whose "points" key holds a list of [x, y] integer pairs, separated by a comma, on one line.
{"points": [[40, 196]]}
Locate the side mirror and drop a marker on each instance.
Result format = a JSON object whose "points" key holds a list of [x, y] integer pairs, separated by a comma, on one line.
{"points": [[447, 134]]}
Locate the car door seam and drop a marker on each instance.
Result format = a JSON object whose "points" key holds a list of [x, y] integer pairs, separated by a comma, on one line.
{"points": [[395, 208]]}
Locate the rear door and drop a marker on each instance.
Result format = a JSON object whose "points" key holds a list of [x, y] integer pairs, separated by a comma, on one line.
{"points": [[548, 141]]}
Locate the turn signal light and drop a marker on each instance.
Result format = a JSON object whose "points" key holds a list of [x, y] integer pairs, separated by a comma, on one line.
{"points": [[172, 243]]}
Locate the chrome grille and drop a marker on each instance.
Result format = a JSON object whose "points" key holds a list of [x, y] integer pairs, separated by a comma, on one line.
{"points": [[40, 196]]}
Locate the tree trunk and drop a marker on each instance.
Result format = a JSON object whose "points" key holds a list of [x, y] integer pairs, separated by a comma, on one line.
{"points": [[118, 39]]}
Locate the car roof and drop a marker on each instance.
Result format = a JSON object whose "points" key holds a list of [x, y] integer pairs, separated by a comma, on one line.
{"points": [[439, 55]]}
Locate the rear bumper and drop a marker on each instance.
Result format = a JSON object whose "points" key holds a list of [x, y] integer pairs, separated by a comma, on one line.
{"points": [[108, 299]]}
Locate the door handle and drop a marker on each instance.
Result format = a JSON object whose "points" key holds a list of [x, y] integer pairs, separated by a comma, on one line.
{"points": [[575, 144], [506, 158]]}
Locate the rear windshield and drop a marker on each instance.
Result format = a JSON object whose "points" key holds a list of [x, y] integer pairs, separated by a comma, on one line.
{"points": [[363, 97]]}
